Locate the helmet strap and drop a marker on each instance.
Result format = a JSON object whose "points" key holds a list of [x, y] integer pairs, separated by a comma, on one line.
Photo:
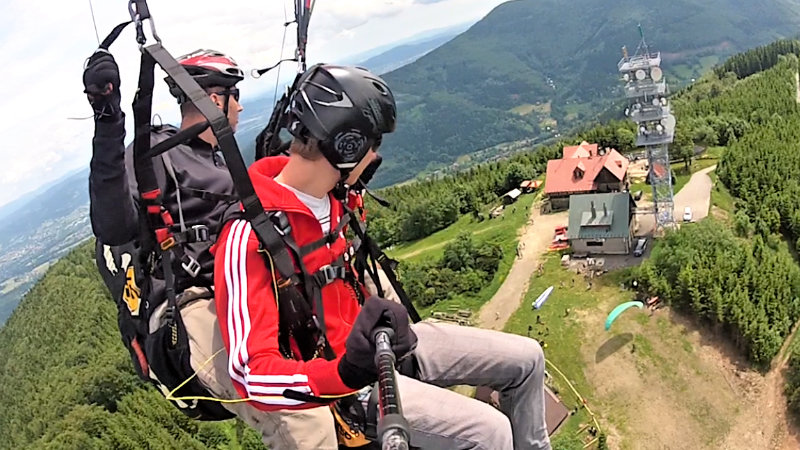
{"points": [[340, 190], [225, 102]]}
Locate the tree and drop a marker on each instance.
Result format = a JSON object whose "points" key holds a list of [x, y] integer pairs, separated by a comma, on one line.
{"points": [[516, 173], [705, 134], [682, 146], [626, 140]]}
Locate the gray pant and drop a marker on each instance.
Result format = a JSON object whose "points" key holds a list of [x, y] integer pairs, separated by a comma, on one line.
{"points": [[440, 419], [449, 355]]}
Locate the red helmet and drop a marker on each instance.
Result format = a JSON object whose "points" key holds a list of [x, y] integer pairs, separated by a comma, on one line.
{"points": [[208, 68]]}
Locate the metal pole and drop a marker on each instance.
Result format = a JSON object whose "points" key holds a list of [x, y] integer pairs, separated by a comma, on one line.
{"points": [[392, 426]]}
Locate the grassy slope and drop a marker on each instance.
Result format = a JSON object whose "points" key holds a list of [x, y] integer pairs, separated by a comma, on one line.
{"points": [[664, 362], [501, 230], [577, 345]]}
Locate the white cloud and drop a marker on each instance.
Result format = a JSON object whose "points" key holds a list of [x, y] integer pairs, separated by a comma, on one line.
{"points": [[47, 50]]}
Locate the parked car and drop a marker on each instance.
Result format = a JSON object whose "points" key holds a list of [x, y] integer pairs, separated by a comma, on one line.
{"points": [[687, 214], [641, 246]]}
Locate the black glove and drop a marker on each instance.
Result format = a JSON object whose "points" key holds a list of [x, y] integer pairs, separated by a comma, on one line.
{"points": [[101, 82], [357, 366]]}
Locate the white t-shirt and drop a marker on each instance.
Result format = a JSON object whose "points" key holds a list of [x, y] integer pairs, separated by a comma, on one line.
{"points": [[320, 207]]}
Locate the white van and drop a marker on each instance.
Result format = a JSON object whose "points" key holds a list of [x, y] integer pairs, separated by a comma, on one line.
{"points": [[687, 214]]}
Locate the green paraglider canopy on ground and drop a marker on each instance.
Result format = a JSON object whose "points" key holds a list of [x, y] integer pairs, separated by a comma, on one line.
{"points": [[618, 310]]}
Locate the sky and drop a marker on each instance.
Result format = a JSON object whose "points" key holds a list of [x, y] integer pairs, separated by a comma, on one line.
{"points": [[45, 48]]}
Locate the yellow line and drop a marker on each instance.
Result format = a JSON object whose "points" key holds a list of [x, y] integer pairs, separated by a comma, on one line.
{"points": [[577, 394]]}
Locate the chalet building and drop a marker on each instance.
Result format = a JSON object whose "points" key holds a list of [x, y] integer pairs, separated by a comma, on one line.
{"points": [[584, 169], [601, 223]]}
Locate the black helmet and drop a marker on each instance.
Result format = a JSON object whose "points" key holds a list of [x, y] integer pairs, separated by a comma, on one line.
{"points": [[347, 109], [208, 68]]}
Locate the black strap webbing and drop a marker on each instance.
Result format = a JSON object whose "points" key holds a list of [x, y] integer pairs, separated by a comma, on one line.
{"points": [[253, 210], [377, 255], [206, 195], [312, 291], [142, 110], [177, 139], [329, 238], [106, 44]]}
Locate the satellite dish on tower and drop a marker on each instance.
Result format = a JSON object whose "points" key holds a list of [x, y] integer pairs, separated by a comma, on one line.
{"points": [[656, 102], [669, 122], [627, 111], [663, 101], [659, 128], [656, 74], [640, 75], [626, 77]]}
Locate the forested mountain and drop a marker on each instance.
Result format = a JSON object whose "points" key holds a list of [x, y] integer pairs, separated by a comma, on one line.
{"points": [[533, 64], [66, 381], [409, 52], [37, 231]]}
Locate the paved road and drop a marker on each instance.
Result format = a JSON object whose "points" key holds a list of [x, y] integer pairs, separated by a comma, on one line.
{"points": [[696, 194]]}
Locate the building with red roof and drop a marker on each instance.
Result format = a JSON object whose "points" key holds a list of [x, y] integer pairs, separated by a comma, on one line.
{"points": [[584, 169]]}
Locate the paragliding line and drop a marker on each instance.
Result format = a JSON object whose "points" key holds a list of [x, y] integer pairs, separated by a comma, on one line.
{"points": [[577, 394], [97, 35], [283, 47]]}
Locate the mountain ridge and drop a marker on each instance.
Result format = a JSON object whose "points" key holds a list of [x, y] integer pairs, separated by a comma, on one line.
{"points": [[557, 61]]}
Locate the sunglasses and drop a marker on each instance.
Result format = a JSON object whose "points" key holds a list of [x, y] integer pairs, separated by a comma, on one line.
{"points": [[233, 92]]}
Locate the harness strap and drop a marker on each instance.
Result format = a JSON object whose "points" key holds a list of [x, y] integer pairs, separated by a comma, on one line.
{"points": [[386, 263], [328, 239], [329, 273], [195, 233], [209, 196], [178, 138], [171, 171], [157, 216], [312, 290], [113, 35]]}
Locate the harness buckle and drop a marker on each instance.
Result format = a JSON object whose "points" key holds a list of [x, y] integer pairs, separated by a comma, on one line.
{"points": [[281, 223], [328, 273], [201, 233], [192, 267], [167, 243]]}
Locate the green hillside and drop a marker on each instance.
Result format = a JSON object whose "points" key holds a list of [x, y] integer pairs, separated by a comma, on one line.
{"points": [[66, 381], [554, 64]]}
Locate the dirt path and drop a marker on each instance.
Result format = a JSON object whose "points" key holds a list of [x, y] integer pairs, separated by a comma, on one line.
{"points": [[765, 423], [535, 238]]}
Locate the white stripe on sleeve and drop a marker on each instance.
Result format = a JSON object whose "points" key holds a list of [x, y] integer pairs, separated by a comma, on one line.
{"points": [[267, 389]]}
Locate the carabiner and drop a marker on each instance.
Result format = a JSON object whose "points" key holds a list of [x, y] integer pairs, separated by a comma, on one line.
{"points": [[139, 12]]}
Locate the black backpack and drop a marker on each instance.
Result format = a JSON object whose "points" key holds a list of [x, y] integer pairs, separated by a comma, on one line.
{"points": [[149, 292]]}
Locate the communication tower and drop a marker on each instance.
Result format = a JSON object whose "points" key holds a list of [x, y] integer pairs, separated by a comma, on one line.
{"points": [[648, 106]]}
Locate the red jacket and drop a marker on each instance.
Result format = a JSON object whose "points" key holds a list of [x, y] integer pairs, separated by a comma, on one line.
{"points": [[247, 307]]}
